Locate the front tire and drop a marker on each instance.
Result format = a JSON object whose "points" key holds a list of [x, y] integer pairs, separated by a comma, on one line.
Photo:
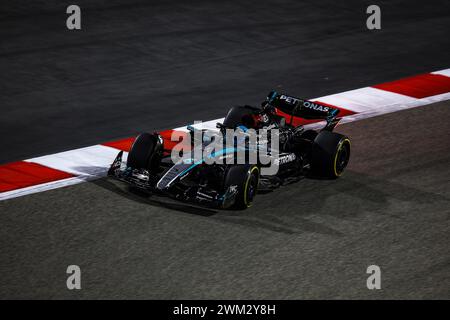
{"points": [[145, 152], [246, 179], [330, 154]]}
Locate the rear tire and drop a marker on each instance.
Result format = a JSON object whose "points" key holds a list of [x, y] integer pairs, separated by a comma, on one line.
{"points": [[246, 179], [309, 135], [330, 154], [145, 152]]}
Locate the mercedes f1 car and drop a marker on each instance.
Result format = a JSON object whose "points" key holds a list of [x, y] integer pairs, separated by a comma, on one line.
{"points": [[233, 184]]}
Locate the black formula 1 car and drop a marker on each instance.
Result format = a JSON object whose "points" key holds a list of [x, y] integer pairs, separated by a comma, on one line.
{"points": [[217, 178]]}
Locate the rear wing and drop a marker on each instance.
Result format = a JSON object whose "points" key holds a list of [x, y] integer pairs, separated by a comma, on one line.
{"points": [[306, 109]]}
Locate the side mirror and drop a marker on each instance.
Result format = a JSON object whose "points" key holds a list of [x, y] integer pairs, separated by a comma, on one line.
{"points": [[220, 126]]}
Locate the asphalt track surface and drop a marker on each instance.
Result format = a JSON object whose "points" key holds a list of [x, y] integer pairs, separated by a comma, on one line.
{"points": [[138, 67]]}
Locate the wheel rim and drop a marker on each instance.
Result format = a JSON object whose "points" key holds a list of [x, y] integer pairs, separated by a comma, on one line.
{"points": [[342, 158], [251, 189], [252, 185]]}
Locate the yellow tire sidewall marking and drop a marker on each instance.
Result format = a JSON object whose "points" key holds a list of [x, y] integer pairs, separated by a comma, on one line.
{"points": [[341, 143], [246, 185]]}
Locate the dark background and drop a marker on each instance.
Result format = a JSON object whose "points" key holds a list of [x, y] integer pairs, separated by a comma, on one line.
{"points": [[143, 65]]}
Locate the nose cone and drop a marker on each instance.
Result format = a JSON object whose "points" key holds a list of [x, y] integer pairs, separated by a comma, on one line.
{"points": [[173, 174]]}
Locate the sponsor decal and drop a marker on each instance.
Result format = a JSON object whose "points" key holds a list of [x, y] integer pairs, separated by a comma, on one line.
{"points": [[305, 103], [288, 99], [283, 159], [315, 106]]}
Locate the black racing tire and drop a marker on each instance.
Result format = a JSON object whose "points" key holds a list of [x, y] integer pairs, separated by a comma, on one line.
{"points": [[330, 154], [145, 152], [246, 179], [309, 135]]}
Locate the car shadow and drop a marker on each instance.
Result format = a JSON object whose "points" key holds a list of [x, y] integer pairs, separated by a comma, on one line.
{"points": [[97, 177], [145, 198]]}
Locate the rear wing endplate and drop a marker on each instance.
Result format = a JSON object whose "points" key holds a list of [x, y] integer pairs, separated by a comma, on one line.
{"points": [[303, 108]]}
